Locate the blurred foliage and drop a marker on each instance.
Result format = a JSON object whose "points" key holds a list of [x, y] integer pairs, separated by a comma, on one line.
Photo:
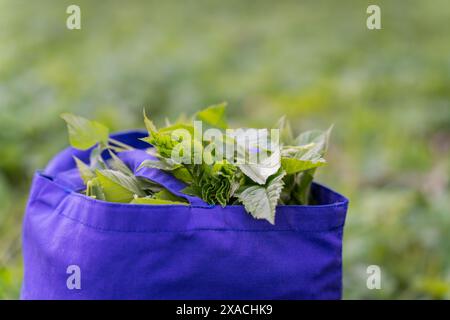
{"points": [[387, 93]]}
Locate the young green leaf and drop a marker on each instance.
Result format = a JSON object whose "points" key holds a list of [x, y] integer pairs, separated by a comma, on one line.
{"points": [[169, 129], [293, 165], [148, 186], [183, 174], [117, 164], [137, 200], [320, 140], [117, 186], [158, 164], [317, 142], [216, 183], [193, 191], [163, 143], [164, 194], [286, 134], [296, 151], [84, 133], [85, 172], [214, 115], [149, 124], [261, 201], [259, 172], [96, 160]]}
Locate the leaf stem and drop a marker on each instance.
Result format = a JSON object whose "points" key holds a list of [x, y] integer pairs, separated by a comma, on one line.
{"points": [[120, 144]]}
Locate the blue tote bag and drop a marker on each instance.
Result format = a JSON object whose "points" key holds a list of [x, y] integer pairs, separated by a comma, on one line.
{"points": [[76, 247]]}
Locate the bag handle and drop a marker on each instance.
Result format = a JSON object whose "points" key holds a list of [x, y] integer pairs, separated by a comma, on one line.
{"points": [[133, 160]]}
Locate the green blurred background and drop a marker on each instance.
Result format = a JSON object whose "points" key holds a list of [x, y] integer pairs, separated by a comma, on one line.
{"points": [[387, 93]]}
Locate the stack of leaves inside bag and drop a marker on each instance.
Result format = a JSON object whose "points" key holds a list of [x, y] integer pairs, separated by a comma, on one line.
{"points": [[284, 177]]}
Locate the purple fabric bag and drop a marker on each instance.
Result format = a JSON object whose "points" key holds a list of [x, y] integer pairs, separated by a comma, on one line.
{"points": [[125, 251]]}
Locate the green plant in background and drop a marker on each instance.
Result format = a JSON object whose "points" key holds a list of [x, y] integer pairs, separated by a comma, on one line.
{"points": [[283, 177]]}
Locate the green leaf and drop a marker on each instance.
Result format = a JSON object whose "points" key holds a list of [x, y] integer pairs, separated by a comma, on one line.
{"points": [[319, 139], [117, 164], [84, 133], [296, 151], [182, 174], [308, 137], [137, 200], [261, 201], [314, 144], [193, 191], [149, 124], [214, 115], [169, 129], [259, 172], [117, 186], [167, 195], [286, 134], [85, 172], [293, 165], [148, 185], [163, 143], [96, 160], [216, 184], [158, 164]]}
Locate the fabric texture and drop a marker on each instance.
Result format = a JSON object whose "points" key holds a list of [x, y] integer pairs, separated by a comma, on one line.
{"points": [[125, 251]]}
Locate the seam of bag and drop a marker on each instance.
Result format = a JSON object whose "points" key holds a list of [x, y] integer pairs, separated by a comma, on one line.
{"points": [[197, 229], [334, 206]]}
